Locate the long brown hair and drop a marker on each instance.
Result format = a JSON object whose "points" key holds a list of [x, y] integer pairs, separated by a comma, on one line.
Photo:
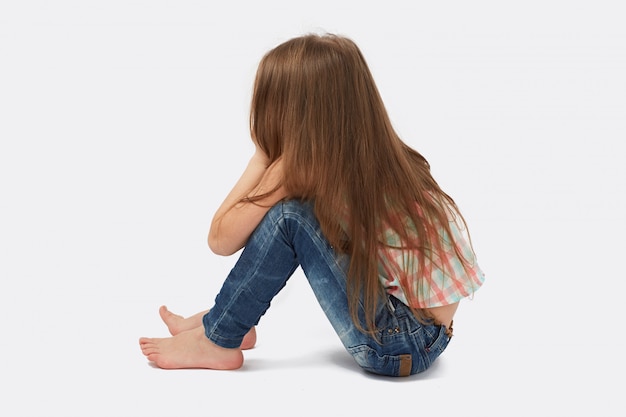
{"points": [[316, 106]]}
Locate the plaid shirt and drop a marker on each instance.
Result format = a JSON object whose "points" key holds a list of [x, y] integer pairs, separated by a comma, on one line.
{"points": [[446, 282]]}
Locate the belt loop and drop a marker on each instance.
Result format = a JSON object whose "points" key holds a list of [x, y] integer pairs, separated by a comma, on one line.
{"points": [[450, 330]]}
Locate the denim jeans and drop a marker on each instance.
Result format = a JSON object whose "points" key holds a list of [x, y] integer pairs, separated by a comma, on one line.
{"points": [[290, 236]]}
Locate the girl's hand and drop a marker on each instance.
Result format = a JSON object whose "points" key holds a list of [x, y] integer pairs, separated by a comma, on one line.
{"points": [[260, 157], [235, 220]]}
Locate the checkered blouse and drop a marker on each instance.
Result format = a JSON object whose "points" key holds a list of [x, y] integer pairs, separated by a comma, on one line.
{"points": [[448, 280]]}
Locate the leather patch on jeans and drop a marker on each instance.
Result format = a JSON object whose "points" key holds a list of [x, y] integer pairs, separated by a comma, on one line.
{"points": [[406, 362]]}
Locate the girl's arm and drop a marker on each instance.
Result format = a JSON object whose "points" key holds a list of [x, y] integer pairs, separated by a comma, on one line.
{"points": [[234, 221]]}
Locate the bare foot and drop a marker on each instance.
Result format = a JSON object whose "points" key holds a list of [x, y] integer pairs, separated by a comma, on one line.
{"points": [[190, 349], [249, 340], [177, 324]]}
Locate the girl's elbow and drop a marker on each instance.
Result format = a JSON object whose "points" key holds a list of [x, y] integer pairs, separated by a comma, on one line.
{"points": [[215, 247], [218, 248]]}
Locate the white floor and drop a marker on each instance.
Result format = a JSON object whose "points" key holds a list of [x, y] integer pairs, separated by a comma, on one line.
{"points": [[76, 355], [123, 125]]}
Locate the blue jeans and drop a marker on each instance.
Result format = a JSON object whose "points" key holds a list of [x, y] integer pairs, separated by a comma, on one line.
{"points": [[289, 236]]}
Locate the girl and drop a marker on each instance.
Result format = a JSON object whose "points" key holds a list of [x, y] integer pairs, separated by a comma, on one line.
{"points": [[333, 189]]}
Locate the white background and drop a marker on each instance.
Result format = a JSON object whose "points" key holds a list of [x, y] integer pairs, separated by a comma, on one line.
{"points": [[123, 124]]}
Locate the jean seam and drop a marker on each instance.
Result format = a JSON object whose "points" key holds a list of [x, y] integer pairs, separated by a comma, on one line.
{"points": [[212, 335]]}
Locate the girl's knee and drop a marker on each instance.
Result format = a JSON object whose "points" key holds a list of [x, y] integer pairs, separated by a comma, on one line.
{"points": [[295, 206]]}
